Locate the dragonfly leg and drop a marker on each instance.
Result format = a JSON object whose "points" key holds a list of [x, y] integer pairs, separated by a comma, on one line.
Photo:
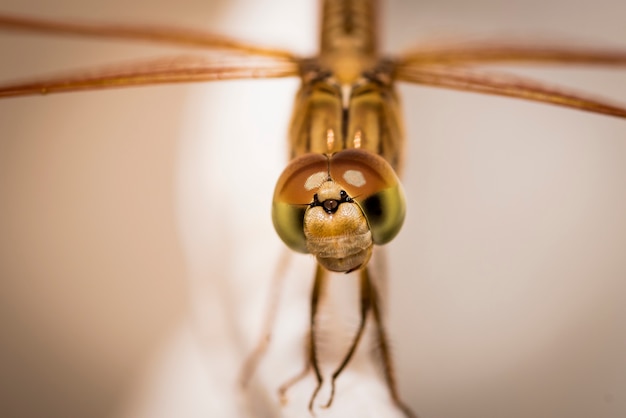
{"points": [[311, 361], [282, 390], [320, 276], [365, 297], [385, 355], [253, 359]]}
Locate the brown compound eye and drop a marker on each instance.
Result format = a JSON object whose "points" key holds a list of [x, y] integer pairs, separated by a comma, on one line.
{"points": [[373, 184], [293, 194]]}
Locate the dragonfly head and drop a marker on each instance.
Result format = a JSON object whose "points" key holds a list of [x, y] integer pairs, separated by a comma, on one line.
{"points": [[338, 206]]}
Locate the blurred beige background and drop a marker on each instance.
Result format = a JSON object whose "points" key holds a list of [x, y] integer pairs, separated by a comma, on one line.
{"points": [[136, 245]]}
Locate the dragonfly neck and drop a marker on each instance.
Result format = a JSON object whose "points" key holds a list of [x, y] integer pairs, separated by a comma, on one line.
{"points": [[349, 26]]}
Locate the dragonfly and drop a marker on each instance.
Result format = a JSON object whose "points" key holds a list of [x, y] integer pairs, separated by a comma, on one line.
{"points": [[446, 74]]}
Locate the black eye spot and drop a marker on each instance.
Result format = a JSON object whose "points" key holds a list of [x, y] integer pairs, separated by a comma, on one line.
{"points": [[373, 208]]}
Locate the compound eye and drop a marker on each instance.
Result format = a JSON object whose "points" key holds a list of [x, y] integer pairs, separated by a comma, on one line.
{"points": [[293, 194], [371, 182]]}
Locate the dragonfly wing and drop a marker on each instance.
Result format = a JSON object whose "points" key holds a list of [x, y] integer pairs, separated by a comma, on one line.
{"points": [[502, 84], [157, 34], [166, 70], [498, 52]]}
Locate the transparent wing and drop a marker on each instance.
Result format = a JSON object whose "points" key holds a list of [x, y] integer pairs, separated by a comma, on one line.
{"points": [[501, 84], [494, 52], [158, 71], [158, 34]]}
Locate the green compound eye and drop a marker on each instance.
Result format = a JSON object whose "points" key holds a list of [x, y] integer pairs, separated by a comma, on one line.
{"points": [[292, 196], [373, 184], [367, 180]]}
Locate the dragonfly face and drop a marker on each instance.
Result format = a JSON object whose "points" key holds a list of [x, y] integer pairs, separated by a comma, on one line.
{"points": [[338, 206]]}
